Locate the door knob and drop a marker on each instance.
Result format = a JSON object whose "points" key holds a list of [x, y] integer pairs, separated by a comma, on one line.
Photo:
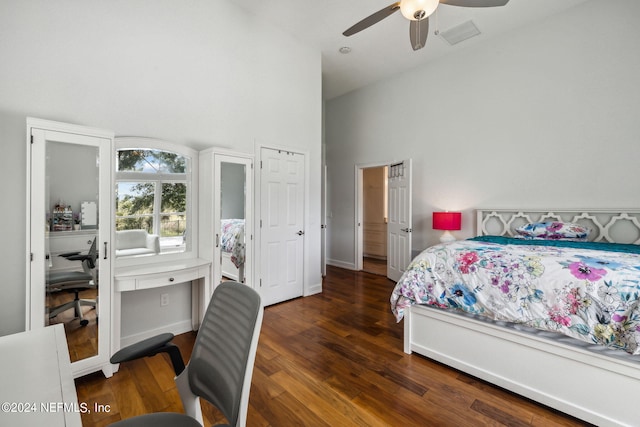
{"points": [[300, 233], [406, 230]]}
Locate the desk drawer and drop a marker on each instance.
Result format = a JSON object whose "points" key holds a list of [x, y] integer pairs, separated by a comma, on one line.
{"points": [[166, 279]]}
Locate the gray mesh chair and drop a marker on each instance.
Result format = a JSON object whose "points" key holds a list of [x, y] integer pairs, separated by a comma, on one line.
{"points": [[75, 282], [221, 364]]}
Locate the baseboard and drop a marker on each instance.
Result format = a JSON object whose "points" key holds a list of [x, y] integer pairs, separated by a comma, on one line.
{"points": [[175, 328], [341, 264], [313, 289]]}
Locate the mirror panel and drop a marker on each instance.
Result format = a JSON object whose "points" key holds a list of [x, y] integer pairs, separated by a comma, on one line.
{"points": [[71, 278], [233, 191], [232, 217], [233, 194]]}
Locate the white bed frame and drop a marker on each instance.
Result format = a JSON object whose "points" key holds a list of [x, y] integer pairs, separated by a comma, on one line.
{"points": [[583, 380], [229, 270]]}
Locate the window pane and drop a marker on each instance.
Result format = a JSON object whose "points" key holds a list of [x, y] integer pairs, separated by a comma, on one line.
{"points": [[173, 219], [134, 206], [172, 225], [134, 198], [135, 223], [151, 161], [174, 198]]}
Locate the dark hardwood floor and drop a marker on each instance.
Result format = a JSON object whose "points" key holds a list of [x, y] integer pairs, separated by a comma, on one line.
{"points": [[332, 359], [82, 341], [374, 266]]}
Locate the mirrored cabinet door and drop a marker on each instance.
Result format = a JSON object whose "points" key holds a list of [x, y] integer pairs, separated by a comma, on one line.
{"points": [[227, 215], [69, 265]]}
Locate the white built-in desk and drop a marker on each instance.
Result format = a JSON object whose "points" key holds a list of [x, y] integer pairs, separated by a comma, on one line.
{"points": [[37, 384], [147, 276]]}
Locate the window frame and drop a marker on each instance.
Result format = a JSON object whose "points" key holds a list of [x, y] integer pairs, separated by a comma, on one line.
{"points": [[190, 177]]}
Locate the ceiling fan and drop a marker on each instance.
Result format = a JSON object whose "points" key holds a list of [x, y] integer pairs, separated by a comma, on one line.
{"points": [[417, 12]]}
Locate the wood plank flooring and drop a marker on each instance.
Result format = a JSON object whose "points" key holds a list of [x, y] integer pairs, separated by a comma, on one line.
{"points": [[332, 359], [81, 340], [374, 266]]}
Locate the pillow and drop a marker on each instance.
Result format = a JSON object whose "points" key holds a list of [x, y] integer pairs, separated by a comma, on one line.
{"points": [[553, 230]]}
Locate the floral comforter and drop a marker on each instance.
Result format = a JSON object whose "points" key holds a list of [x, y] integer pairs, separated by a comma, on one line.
{"points": [[586, 293], [232, 240]]}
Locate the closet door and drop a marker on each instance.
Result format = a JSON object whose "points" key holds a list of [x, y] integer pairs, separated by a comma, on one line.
{"points": [[282, 226], [70, 207]]}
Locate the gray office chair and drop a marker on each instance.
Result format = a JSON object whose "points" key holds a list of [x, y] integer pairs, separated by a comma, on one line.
{"points": [[75, 282], [221, 364]]}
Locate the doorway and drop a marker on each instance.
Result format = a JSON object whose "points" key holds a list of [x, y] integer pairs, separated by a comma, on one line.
{"points": [[374, 220], [398, 200]]}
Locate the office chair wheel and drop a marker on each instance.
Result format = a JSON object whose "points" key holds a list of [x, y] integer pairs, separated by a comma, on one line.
{"points": [[84, 322]]}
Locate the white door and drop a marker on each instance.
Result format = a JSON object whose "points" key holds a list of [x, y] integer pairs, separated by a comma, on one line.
{"points": [[281, 225], [399, 226], [233, 197], [69, 181]]}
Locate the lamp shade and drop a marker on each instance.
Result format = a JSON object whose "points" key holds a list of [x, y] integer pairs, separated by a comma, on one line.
{"points": [[412, 9], [447, 220]]}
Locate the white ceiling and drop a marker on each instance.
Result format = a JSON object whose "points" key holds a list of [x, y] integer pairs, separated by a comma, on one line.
{"points": [[384, 49]]}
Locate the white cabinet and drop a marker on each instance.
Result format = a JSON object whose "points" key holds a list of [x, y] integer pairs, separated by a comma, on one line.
{"points": [[70, 166]]}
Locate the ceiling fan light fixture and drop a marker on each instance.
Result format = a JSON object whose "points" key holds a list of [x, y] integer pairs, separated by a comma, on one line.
{"points": [[416, 10]]}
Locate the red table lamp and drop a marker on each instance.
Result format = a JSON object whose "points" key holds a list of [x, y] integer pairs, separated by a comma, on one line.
{"points": [[447, 221]]}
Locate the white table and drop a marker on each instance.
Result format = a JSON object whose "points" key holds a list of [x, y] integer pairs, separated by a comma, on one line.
{"points": [[155, 275], [37, 383]]}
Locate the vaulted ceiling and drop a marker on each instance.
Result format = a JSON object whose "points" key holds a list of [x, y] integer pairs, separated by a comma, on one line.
{"points": [[384, 49]]}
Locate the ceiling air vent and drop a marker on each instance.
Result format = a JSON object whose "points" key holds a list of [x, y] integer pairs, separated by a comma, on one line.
{"points": [[459, 33]]}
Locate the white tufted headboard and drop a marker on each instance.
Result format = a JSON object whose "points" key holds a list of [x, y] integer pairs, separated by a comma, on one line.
{"points": [[610, 225]]}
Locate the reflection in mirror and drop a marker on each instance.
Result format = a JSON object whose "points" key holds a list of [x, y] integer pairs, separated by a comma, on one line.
{"points": [[152, 190], [233, 215], [71, 227]]}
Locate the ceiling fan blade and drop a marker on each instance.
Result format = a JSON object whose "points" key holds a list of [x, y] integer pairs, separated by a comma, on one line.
{"points": [[418, 32], [475, 3], [372, 19]]}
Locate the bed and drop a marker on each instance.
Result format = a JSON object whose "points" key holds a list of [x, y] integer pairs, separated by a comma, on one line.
{"points": [[574, 346], [233, 249]]}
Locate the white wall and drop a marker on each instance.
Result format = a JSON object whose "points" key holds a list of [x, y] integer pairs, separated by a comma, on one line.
{"points": [[196, 72], [544, 117]]}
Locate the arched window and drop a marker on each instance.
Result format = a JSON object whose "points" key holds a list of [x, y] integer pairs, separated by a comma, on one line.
{"points": [[153, 194]]}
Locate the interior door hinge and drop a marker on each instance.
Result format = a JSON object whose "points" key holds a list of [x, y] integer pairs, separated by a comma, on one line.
{"points": [[260, 282], [32, 139], [260, 164], [260, 223]]}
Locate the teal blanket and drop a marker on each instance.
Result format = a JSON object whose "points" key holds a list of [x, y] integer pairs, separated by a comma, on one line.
{"points": [[597, 246]]}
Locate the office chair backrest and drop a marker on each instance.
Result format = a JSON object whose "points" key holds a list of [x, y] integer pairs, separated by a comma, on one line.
{"points": [[221, 363], [92, 256]]}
